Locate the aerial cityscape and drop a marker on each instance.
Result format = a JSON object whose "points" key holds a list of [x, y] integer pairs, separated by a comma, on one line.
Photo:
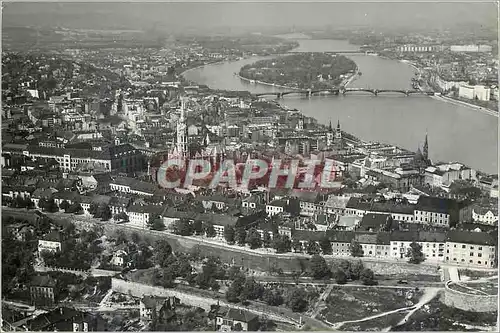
{"points": [[254, 166]]}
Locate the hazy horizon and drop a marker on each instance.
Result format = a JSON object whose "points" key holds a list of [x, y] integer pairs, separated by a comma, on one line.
{"points": [[250, 15]]}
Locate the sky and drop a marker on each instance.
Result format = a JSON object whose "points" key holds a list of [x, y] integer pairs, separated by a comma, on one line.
{"points": [[207, 15]]}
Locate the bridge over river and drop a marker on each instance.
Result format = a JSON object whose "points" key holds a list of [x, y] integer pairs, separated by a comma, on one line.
{"points": [[343, 91]]}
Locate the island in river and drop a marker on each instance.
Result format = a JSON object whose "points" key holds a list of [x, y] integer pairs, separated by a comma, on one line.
{"points": [[303, 70]]}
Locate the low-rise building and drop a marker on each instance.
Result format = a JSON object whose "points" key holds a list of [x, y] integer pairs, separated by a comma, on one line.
{"points": [[442, 212], [154, 308], [63, 319], [236, 320], [477, 249], [43, 290], [485, 215], [52, 242]]}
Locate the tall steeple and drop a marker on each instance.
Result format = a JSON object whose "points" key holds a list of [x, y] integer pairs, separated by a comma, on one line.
{"points": [[182, 133], [338, 125], [425, 152], [330, 128]]}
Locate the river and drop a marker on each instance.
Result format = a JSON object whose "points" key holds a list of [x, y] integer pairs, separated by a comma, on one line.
{"points": [[456, 133]]}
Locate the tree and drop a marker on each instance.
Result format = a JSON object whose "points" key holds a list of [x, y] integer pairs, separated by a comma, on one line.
{"points": [[415, 253], [356, 249], [340, 276], [253, 239], [251, 290], [319, 268], [214, 285], [233, 292], [266, 240], [156, 223], [122, 216], [282, 244], [168, 279], [355, 270], [103, 212], [198, 227], [41, 203], [326, 245], [368, 277], [183, 227], [297, 300], [48, 205], [272, 297], [210, 230], [93, 208], [75, 208], [241, 236], [135, 237], [229, 234], [312, 248], [163, 251], [64, 206], [297, 246], [121, 238]]}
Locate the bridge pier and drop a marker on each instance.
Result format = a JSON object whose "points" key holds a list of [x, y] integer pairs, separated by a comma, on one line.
{"points": [[309, 93], [375, 92]]}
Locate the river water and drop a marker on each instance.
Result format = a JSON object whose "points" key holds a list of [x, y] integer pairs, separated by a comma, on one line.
{"points": [[456, 133]]}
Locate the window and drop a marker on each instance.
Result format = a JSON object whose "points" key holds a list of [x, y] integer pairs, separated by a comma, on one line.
{"points": [[470, 261], [479, 255], [471, 254], [479, 262], [463, 246], [480, 248], [472, 247]]}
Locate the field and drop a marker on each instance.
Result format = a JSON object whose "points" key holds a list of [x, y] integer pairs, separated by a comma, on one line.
{"points": [[376, 324], [345, 304], [438, 317]]}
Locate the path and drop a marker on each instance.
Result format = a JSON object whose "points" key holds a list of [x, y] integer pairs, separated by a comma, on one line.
{"points": [[429, 294], [314, 311]]}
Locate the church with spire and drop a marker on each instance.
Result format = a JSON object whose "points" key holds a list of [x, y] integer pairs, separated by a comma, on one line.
{"points": [[186, 147], [422, 156], [334, 137]]}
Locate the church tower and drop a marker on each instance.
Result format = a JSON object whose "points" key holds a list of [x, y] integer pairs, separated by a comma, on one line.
{"points": [[338, 133], [329, 136], [425, 152], [182, 133], [300, 124], [338, 137]]}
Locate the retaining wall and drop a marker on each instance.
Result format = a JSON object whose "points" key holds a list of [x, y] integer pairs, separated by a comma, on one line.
{"points": [[469, 302], [139, 290]]}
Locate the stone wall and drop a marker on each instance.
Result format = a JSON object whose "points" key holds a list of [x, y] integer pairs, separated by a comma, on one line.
{"points": [[139, 290], [469, 302]]}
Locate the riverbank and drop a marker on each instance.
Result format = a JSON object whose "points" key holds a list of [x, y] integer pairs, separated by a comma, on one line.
{"points": [[264, 83], [468, 105], [345, 83], [447, 99]]}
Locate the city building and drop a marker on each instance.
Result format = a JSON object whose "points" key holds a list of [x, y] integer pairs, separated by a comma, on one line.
{"points": [[236, 320], [43, 290], [442, 212], [51, 242], [155, 308], [471, 48], [480, 93], [477, 249], [64, 319], [485, 215]]}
